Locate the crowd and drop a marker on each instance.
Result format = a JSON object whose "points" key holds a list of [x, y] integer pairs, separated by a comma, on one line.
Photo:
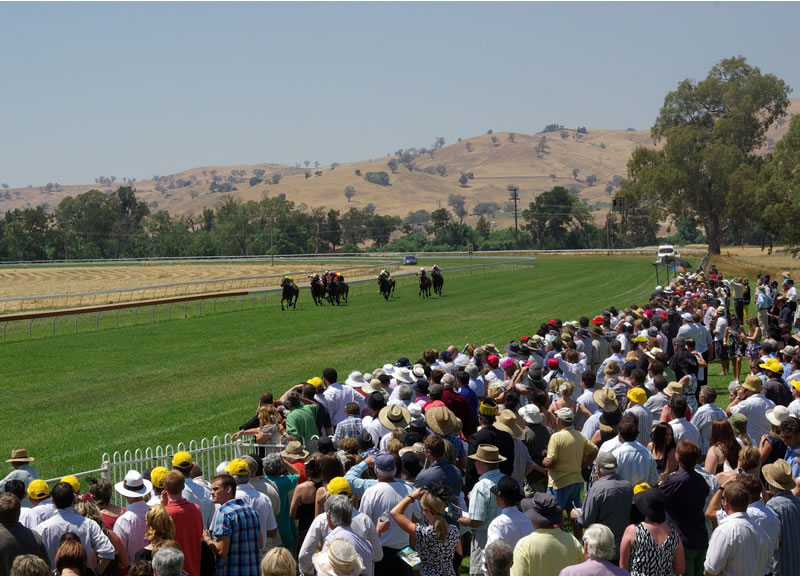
{"points": [[592, 447]]}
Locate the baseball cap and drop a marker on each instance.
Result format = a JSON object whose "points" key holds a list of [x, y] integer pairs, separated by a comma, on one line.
{"points": [[385, 462], [182, 460], [38, 489], [565, 414], [339, 485], [157, 476], [238, 467], [72, 481]]}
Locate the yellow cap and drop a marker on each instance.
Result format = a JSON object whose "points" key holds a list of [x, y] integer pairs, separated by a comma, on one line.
{"points": [[74, 482], [157, 476], [339, 486], [316, 381], [637, 395], [238, 467], [182, 460], [38, 489], [641, 487]]}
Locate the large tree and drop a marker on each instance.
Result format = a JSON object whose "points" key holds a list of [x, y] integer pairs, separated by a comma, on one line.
{"points": [[552, 215], [710, 131]]}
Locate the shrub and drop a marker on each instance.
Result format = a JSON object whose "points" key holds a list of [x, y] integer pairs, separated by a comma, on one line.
{"points": [[380, 178]]}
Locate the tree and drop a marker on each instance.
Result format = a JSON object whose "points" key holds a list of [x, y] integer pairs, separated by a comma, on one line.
{"points": [[5, 186], [276, 178], [542, 146], [575, 173], [418, 218], [381, 228], [439, 219], [553, 177], [457, 202], [591, 179], [468, 146], [494, 141], [438, 144], [349, 192], [482, 227], [712, 130], [306, 162], [462, 180], [255, 181], [442, 170], [380, 178], [512, 137], [488, 208], [332, 232], [307, 174], [316, 163], [392, 164], [552, 215]]}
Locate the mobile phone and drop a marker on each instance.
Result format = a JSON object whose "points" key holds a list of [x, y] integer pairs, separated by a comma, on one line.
{"points": [[385, 517], [454, 512]]}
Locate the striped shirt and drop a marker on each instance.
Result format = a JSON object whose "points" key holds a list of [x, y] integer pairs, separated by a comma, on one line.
{"points": [[636, 464], [350, 427], [787, 507], [238, 521], [645, 419], [702, 420]]}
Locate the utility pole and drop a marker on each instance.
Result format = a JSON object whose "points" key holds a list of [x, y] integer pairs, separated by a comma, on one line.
{"points": [[271, 239], [514, 195]]}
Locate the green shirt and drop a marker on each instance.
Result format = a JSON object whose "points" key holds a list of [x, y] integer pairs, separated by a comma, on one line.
{"points": [[567, 447], [546, 552], [302, 423]]}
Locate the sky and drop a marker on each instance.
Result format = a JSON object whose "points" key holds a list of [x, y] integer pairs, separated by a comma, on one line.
{"points": [[137, 89]]}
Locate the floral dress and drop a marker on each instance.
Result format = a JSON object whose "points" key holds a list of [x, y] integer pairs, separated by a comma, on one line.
{"points": [[436, 556], [650, 559], [736, 345], [753, 351]]}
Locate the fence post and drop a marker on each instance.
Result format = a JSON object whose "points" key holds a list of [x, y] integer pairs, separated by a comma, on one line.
{"points": [[154, 314], [169, 315], [30, 330], [184, 310], [5, 325], [201, 308], [135, 315], [117, 318]]}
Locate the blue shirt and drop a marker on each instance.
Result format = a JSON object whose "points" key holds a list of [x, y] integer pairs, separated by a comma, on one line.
{"points": [[791, 458], [787, 507], [350, 427], [472, 399], [482, 503], [440, 471], [358, 484], [240, 522]]}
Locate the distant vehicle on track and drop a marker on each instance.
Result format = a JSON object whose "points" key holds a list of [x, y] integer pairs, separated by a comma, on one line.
{"points": [[410, 261]]}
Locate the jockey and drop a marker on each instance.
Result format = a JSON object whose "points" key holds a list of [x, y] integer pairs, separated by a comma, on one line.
{"points": [[435, 268], [422, 273], [385, 272], [289, 279]]}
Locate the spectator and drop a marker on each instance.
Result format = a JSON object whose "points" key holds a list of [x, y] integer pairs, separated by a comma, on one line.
{"points": [[193, 491], [499, 557], [663, 449], [278, 562], [682, 429], [168, 561], [130, 527], [772, 446], [159, 527], [598, 547], [638, 397], [339, 514], [511, 525], [489, 434], [187, 520], [29, 565], [438, 470], [780, 484], [119, 564], [71, 559], [652, 547], [102, 490], [338, 558], [608, 501], [523, 463], [284, 477], [458, 404], [536, 437], [437, 542], [267, 524], [338, 396], [156, 478], [27, 517], [705, 416], [21, 463], [16, 539], [549, 549], [39, 495], [301, 423], [636, 463], [751, 403], [351, 426]]}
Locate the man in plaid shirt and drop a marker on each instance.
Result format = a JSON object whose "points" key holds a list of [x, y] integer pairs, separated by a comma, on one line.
{"points": [[351, 426], [234, 537]]}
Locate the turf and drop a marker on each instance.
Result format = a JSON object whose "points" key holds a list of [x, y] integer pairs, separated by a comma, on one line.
{"points": [[70, 398]]}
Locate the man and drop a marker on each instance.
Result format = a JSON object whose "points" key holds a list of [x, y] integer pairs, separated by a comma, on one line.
{"points": [[586, 399], [96, 544], [320, 528], [718, 333], [463, 388], [234, 538], [549, 549], [39, 495], [655, 404], [351, 426], [186, 517], [705, 415], [790, 433], [379, 499], [635, 463], [483, 507], [301, 423], [339, 515], [21, 463], [615, 349], [192, 491], [750, 402], [499, 557], [438, 469], [488, 434], [568, 451], [168, 561], [786, 506], [260, 483], [682, 429], [683, 362], [511, 525], [686, 492], [16, 539], [608, 501], [130, 527], [338, 396], [371, 423], [600, 350], [763, 304], [458, 404], [156, 478], [606, 400], [737, 546], [267, 523], [309, 396], [535, 437], [476, 383], [598, 547], [774, 388], [27, 517], [637, 398]]}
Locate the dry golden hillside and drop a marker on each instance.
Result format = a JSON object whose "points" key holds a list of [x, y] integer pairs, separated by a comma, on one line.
{"points": [[533, 162]]}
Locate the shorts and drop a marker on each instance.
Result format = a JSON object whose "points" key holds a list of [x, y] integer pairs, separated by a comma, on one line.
{"points": [[568, 497], [720, 350]]}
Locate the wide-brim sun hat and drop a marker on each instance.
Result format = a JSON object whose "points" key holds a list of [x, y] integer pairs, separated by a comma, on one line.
{"points": [[777, 415], [355, 379], [20, 455], [674, 388], [394, 417], [507, 421], [441, 420], [488, 454], [531, 414], [294, 449], [134, 485], [403, 375], [779, 474]]}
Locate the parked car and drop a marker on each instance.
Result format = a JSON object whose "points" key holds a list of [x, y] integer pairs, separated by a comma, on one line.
{"points": [[410, 260], [667, 251]]}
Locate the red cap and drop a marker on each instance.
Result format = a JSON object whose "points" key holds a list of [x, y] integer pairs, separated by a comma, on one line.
{"points": [[598, 320], [552, 363], [662, 315], [492, 360], [552, 323]]}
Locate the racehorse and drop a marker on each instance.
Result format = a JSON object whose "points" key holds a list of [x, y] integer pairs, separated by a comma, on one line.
{"points": [[290, 293], [386, 285], [438, 281], [338, 290], [424, 285], [317, 290]]}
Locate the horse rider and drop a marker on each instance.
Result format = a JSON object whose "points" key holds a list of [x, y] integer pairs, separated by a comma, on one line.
{"points": [[422, 273], [435, 268], [290, 280]]}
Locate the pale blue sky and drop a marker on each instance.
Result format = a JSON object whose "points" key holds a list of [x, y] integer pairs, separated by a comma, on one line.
{"points": [[136, 89]]}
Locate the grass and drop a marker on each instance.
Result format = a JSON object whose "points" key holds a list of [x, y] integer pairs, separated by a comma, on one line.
{"points": [[70, 398]]}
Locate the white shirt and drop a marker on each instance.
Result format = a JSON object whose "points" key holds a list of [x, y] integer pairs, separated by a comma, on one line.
{"points": [[261, 504], [477, 386], [635, 463], [44, 510], [28, 518], [130, 527], [682, 429], [719, 328], [510, 526], [645, 418], [320, 529], [755, 408], [738, 548], [338, 397], [702, 420], [587, 401], [381, 498], [197, 494], [361, 545], [765, 519], [794, 405], [88, 531]]}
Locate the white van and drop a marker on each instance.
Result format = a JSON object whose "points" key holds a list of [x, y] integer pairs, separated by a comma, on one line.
{"points": [[666, 251]]}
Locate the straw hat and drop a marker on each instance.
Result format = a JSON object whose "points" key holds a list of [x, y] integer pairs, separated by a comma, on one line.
{"points": [[604, 396], [487, 453], [338, 558], [441, 420], [394, 417], [752, 383], [674, 388], [507, 421], [778, 414], [20, 455], [294, 450], [779, 474]]}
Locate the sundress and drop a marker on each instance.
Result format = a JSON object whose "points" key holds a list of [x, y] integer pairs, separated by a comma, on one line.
{"points": [[736, 347], [753, 351], [650, 559], [436, 556]]}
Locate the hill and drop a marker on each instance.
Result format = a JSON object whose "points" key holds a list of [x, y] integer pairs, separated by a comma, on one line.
{"points": [[533, 162]]}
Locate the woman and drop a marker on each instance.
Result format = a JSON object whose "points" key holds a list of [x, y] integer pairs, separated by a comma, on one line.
{"points": [[738, 422], [662, 448], [101, 491], [772, 446], [330, 467], [283, 476], [753, 350], [437, 542], [652, 547], [565, 390], [609, 420], [158, 527], [723, 450], [269, 420], [71, 559], [749, 463], [735, 340], [119, 564], [278, 562]]}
